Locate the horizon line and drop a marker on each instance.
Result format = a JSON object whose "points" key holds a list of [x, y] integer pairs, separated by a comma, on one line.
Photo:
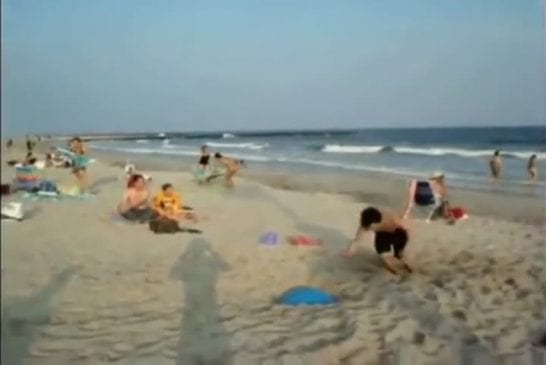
{"points": [[245, 131]]}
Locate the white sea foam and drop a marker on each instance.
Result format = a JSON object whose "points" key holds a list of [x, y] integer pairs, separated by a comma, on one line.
{"points": [[247, 146], [426, 151], [336, 148]]}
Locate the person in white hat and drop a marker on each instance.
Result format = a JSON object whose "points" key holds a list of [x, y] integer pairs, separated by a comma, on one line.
{"points": [[429, 193]]}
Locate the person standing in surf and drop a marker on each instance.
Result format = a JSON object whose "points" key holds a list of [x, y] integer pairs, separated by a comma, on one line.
{"points": [[495, 165], [532, 168]]}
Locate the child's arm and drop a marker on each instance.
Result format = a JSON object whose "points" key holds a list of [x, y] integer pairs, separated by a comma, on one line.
{"points": [[358, 236]]}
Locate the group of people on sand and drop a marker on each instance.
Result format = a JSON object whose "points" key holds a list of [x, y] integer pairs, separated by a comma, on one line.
{"points": [[392, 230], [76, 159], [495, 165], [232, 166], [138, 205]]}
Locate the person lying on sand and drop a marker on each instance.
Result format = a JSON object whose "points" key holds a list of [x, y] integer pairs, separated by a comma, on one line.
{"points": [[168, 204], [431, 192], [232, 167], [391, 234], [134, 205]]}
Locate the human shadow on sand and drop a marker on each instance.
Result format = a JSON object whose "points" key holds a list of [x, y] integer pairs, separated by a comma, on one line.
{"points": [[22, 318], [203, 339]]}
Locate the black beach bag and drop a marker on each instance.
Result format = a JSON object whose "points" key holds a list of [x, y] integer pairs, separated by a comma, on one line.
{"points": [[166, 225]]}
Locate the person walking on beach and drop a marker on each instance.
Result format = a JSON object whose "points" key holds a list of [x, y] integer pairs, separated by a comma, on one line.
{"points": [[232, 167], [79, 163], [496, 165], [29, 143], [532, 168], [391, 235]]}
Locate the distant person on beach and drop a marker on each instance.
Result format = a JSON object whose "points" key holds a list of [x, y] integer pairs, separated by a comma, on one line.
{"points": [[168, 204], [29, 143], [532, 168], [9, 143], [232, 167], [79, 163], [431, 192], [391, 235], [496, 165], [204, 159], [134, 205]]}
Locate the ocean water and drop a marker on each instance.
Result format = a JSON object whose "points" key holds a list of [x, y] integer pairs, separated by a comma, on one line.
{"points": [[462, 153]]}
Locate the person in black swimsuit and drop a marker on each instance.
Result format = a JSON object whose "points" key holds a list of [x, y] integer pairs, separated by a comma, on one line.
{"points": [[205, 157], [391, 236]]}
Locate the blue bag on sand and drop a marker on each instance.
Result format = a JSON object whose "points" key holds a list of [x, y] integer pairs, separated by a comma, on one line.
{"points": [[48, 187], [307, 295]]}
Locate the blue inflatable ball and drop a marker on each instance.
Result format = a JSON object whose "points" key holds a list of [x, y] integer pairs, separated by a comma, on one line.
{"points": [[306, 295]]}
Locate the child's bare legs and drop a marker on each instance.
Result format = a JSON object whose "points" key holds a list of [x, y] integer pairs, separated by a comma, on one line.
{"points": [[229, 177], [81, 178], [394, 264]]}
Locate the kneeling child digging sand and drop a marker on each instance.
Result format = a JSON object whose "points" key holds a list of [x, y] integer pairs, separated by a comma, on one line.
{"points": [[391, 234]]}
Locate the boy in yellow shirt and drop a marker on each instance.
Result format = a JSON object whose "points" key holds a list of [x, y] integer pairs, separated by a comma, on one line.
{"points": [[168, 203]]}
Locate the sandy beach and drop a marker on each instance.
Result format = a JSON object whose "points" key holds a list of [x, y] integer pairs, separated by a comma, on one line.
{"points": [[81, 286]]}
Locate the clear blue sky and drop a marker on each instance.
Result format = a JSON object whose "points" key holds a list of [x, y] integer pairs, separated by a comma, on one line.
{"points": [[154, 65]]}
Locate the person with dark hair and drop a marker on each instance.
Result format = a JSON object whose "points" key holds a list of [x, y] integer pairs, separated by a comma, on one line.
{"points": [[532, 168], [134, 205], [391, 237], [29, 144], [168, 204], [205, 157], [231, 165], [495, 164]]}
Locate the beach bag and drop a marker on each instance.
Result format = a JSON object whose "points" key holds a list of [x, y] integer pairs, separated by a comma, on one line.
{"points": [[423, 194], [164, 225], [6, 189]]}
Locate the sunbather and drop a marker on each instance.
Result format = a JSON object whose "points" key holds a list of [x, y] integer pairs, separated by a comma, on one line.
{"points": [[168, 203], [135, 203], [431, 192]]}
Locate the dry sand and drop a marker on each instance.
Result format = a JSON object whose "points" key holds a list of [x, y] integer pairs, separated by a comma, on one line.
{"points": [[80, 286]]}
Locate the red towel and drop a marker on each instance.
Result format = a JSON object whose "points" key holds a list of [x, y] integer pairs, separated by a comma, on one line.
{"points": [[302, 240], [457, 213]]}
